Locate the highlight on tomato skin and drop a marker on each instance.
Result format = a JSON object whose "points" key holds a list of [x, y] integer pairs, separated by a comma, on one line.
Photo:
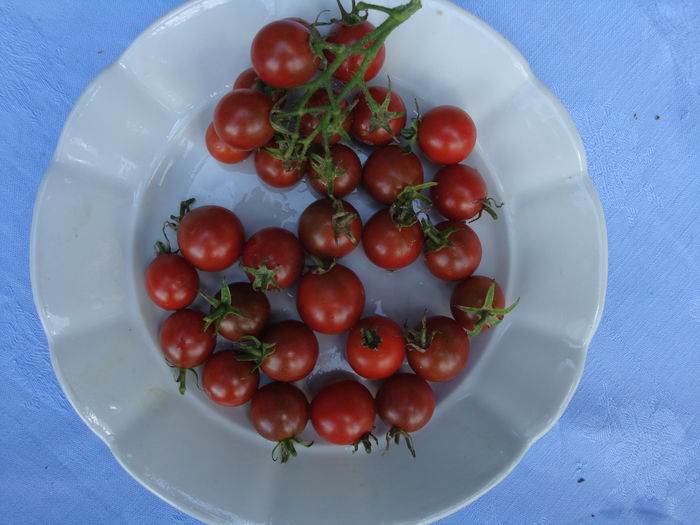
{"points": [[242, 119], [446, 134]]}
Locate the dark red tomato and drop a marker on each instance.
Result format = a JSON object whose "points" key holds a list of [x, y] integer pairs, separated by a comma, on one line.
{"points": [[390, 246], [460, 258], [343, 412], [446, 134], [443, 353], [171, 282], [328, 229], [222, 151], [183, 340], [310, 121], [348, 171], [254, 308], [228, 381], [331, 302], [349, 35], [210, 237], [362, 123], [375, 347], [295, 351], [248, 79], [279, 411], [281, 54], [276, 256], [406, 401], [272, 170], [242, 119], [388, 170], [460, 192], [472, 293]]}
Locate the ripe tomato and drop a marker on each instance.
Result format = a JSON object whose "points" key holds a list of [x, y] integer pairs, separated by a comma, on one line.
{"points": [[349, 35], [446, 134], [460, 193], [210, 238], [171, 282], [438, 349], [222, 151], [281, 54], [478, 303], [311, 121], [459, 255], [273, 171], [242, 119], [228, 381], [388, 170], [343, 412], [375, 347], [273, 259], [295, 351], [330, 228], [253, 307], [367, 127], [331, 302], [248, 79], [279, 412], [390, 246], [347, 169]]}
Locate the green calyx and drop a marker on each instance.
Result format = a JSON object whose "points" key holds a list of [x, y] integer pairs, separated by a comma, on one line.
{"points": [[221, 308], [420, 339], [435, 240], [163, 247], [326, 169], [381, 116], [487, 315], [264, 277], [181, 378], [341, 221], [254, 350], [320, 266], [366, 442], [395, 434], [370, 338], [488, 205], [285, 449], [402, 211]]}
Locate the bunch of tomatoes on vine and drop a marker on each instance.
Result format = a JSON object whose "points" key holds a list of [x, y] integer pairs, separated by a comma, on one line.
{"points": [[302, 110]]}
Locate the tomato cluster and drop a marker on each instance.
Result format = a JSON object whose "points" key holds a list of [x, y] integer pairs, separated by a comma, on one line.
{"points": [[297, 71]]}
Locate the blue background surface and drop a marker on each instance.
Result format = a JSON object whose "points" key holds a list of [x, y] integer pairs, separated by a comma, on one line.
{"points": [[627, 448]]}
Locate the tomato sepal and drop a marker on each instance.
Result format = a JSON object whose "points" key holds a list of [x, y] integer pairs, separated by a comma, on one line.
{"points": [[366, 442], [254, 350], [221, 308], [181, 378], [420, 339], [488, 205], [488, 315], [402, 211], [395, 434], [264, 278], [285, 449]]}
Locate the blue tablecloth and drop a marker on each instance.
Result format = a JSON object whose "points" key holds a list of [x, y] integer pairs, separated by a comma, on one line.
{"points": [[627, 449]]}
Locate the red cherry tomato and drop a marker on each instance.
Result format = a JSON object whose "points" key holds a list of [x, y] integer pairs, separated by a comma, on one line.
{"points": [[332, 302], [446, 135], [242, 119], [228, 381], [222, 151], [274, 259], [375, 347], [389, 246], [460, 257], [295, 351], [254, 308], [210, 238], [349, 35], [388, 170], [248, 79], [273, 171], [472, 293], [460, 192], [183, 340], [362, 123], [171, 282], [328, 229], [311, 121], [348, 171], [343, 412], [443, 351]]}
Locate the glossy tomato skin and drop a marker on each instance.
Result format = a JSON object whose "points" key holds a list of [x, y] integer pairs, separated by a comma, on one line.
{"points": [[389, 246], [310, 121], [255, 309], [446, 134], [171, 282], [343, 412], [471, 293], [277, 249], [458, 260], [406, 401], [296, 351], [383, 360], [348, 162], [210, 238], [447, 356], [349, 35], [362, 114], [222, 151], [183, 340], [459, 193], [281, 54], [242, 119], [228, 381], [279, 411], [331, 303], [317, 234], [388, 170], [272, 170]]}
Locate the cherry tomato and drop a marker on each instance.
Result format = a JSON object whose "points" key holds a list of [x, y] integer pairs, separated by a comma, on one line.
{"points": [[390, 246], [349, 35], [281, 54], [343, 412], [348, 171], [375, 347], [438, 350], [363, 122], [460, 193], [228, 381], [273, 171], [210, 238], [222, 151], [242, 119], [183, 340], [248, 79], [460, 257], [295, 351], [311, 121], [171, 282], [253, 307], [388, 170], [473, 294], [331, 302], [273, 259], [330, 228], [446, 134]]}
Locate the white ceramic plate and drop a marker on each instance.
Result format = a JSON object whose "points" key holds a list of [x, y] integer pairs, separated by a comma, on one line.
{"points": [[133, 148]]}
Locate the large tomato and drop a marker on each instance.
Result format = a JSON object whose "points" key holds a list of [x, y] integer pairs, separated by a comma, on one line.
{"points": [[330, 228], [388, 170], [210, 237], [375, 347], [446, 134], [242, 119], [390, 246], [349, 35]]}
